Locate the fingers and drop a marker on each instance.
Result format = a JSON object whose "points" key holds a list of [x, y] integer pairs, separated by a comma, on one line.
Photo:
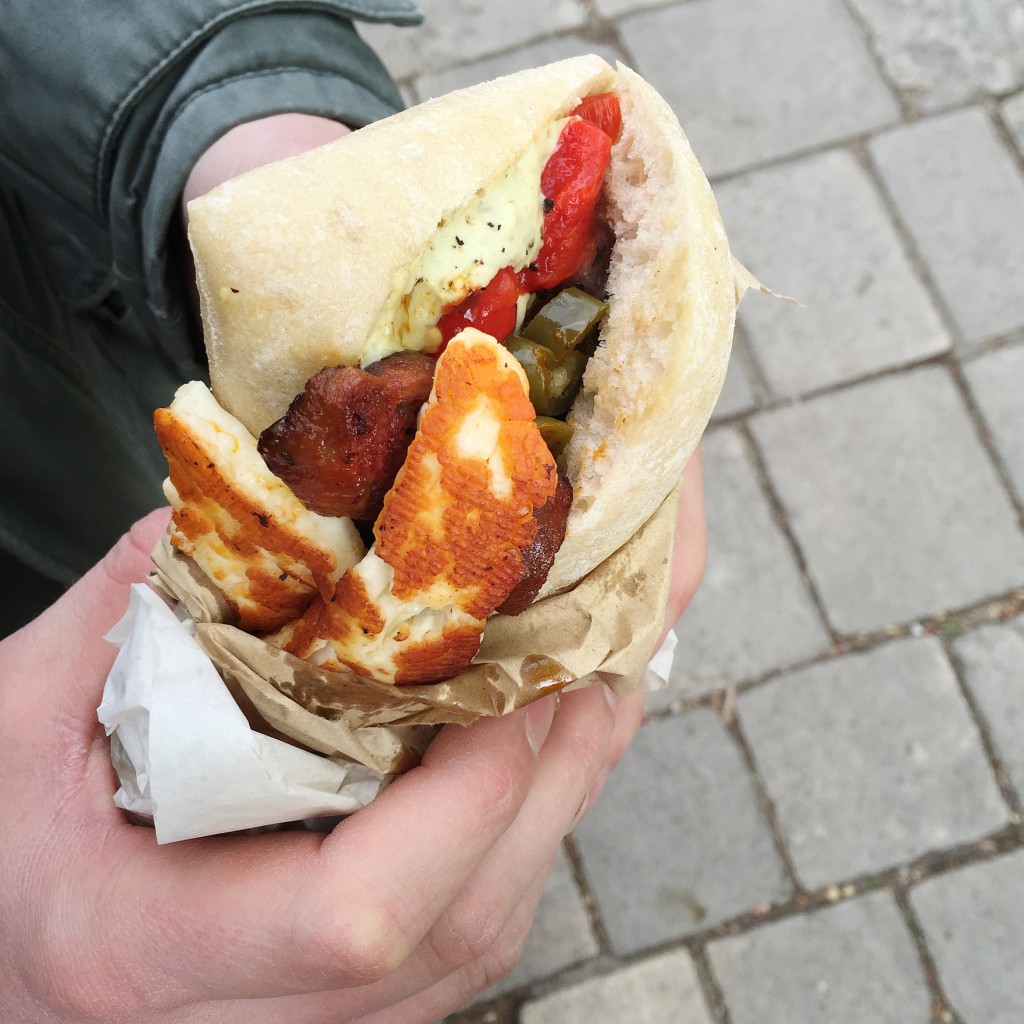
{"points": [[479, 933], [62, 652], [573, 756], [271, 915], [689, 553], [458, 988]]}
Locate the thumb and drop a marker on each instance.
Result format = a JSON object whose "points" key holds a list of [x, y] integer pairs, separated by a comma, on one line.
{"points": [[64, 646]]}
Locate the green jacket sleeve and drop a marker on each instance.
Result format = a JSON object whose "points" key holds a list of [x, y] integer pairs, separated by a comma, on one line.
{"points": [[104, 108], [107, 105]]}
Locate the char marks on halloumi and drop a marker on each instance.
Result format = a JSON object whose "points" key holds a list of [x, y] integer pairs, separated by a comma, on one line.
{"points": [[450, 540], [267, 553]]}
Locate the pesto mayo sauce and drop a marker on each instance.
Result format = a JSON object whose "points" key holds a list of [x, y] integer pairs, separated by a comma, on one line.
{"points": [[501, 227]]}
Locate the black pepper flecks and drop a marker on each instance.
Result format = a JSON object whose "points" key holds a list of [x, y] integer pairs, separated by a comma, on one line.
{"points": [[549, 204], [459, 240]]}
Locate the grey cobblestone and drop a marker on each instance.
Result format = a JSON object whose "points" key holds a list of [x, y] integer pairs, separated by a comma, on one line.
{"points": [[957, 189], [945, 51], [847, 964], [888, 766], [456, 31], [754, 80], [677, 842], [616, 8], [560, 935], [1012, 111], [868, 759], [752, 613], [661, 990], [993, 661], [972, 927], [893, 500], [997, 381], [816, 229]]}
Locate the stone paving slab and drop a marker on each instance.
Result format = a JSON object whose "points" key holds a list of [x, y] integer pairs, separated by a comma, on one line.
{"points": [[1012, 111], [955, 185], [544, 52], [661, 990], [892, 499], [755, 80], [752, 613], [847, 964], [560, 935], [972, 927], [677, 842], [738, 391], [871, 760], [992, 657], [816, 229], [455, 31], [997, 382], [946, 51], [615, 8]]}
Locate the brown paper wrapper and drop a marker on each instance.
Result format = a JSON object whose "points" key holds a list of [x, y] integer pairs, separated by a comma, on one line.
{"points": [[603, 630]]}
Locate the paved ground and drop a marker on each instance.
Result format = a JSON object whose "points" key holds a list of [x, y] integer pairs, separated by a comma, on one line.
{"points": [[821, 821]]}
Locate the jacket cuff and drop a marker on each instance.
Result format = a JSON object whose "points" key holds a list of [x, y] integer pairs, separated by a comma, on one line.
{"points": [[280, 61]]}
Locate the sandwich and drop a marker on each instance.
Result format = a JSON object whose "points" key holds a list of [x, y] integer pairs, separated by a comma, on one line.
{"points": [[458, 359]]}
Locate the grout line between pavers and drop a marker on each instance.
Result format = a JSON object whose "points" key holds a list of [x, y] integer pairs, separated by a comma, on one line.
{"points": [[950, 623], [900, 877], [763, 393], [582, 879], [984, 434], [915, 257], [714, 997], [928, 865], [782, 521], [960, 347], [1006, 787], [942, 1011], [902, 96], [764, 800], [946, 358], [1005, 134]]}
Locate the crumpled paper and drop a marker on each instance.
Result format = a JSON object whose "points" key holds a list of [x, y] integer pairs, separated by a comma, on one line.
{"points": [[184, 751]]}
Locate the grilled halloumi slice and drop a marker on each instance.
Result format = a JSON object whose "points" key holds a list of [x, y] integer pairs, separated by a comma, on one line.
{"points": [[450, 538], [242, 525]]}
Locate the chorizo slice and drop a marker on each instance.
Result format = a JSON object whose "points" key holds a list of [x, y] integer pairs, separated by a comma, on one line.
{"points": [[344, 438]]}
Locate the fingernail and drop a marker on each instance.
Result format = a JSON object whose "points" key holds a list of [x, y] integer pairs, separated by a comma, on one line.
{"points": [[581, 812], [538, 722], [611, 696]]}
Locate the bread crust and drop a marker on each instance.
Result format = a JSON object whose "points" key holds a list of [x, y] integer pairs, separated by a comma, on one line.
{"points": [[649, 390], [287, 289]]}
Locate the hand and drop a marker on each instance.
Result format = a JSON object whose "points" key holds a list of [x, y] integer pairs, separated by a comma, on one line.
{"points": [[403, 913], [256, 143]]}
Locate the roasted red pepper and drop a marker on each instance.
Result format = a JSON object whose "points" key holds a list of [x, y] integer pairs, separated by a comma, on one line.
{"points": [[571, 183], [571, 180], [604, 112], [492, 310]]}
